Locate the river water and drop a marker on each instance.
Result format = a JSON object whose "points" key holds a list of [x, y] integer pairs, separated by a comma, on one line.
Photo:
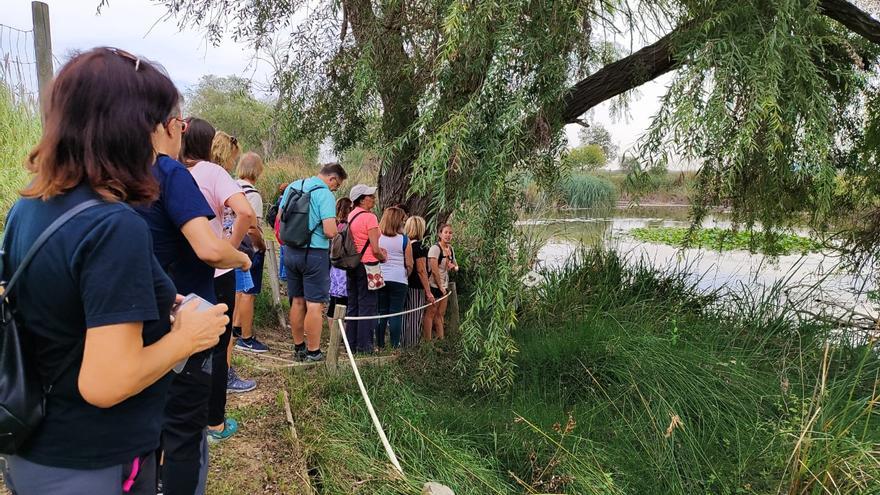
{"points": [[816, 280]]}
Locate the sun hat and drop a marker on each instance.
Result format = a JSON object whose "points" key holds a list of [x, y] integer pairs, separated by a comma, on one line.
{"points": [[361, 190]]}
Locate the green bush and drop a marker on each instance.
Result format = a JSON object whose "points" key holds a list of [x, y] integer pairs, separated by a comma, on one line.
{"points": [[587, 191]]}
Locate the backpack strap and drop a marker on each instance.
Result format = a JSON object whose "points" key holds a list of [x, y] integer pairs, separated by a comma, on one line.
{"points": [[442, 254], [364, 250], [310, 191], [76, 353], [41, 240]]}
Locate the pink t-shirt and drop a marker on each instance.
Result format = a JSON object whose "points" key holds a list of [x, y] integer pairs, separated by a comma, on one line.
{"points": [[359, 230], [217, 186]]}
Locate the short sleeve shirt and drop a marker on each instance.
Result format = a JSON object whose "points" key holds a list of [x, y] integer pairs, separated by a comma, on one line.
{"points": [[253, 197], [360, 228], [434, 252], [418, 251], [180, 201], [217, 186], [323, 206], [97, 270]]}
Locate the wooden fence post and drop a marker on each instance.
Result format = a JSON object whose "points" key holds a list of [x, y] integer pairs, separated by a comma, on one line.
{"points": [[453, 317], [275, 284], [333, 346], [42, 49]]}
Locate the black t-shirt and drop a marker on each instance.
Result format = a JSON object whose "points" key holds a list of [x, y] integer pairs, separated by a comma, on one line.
{"points": [[180, 201], [418, 251], [97, 270]]}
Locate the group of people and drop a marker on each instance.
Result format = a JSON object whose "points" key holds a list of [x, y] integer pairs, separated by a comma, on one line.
{"points": [[397, 272], [101, 303], [132, 308]]}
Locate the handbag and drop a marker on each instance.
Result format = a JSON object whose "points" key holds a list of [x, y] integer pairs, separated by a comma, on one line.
{"points": [[375, 280], [22, 392]]}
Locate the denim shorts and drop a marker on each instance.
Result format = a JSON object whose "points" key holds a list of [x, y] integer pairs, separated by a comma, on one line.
{"points": [[256, 274], [308, 273]]}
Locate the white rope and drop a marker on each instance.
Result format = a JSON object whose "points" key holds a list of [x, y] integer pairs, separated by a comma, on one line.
{"points": [[358, 318], [376, 423]]}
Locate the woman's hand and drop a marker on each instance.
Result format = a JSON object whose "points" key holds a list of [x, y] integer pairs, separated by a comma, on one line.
{"points": [[430, 297], [245, 261], [201, 329], [381, 255]]}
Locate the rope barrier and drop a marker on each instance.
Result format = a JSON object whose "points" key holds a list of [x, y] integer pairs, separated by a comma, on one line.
{"points": [[357, 375], [392, 315]]}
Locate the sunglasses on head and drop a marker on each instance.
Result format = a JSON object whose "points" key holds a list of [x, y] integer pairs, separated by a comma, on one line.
{"points": [[128, 56]]}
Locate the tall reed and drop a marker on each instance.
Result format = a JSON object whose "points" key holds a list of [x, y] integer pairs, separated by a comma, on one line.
{"points": [[19, 132]]}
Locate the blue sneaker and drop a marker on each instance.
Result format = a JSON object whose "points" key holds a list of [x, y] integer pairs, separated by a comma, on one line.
{"points": [[236, 385], [251, 345], [230, 427]]}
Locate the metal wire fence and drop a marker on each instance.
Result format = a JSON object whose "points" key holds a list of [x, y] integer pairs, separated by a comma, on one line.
{"points": [[18, 67]]}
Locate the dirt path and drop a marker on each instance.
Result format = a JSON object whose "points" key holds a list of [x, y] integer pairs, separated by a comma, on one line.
{"points": [[262, 457]]}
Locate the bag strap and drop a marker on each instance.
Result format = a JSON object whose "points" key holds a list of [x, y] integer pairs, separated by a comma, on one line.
{"points": [[442, 254], [76, 353], [351, 222], [41, 240]]}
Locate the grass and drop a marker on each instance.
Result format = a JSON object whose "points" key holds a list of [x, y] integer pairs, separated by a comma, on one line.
{"points": [[628, 381], [19, 131], [652, 187], [725, 239], [587, 191]]}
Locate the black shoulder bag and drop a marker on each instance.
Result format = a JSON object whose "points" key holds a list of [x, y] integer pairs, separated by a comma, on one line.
{"points": [[22, 392]]}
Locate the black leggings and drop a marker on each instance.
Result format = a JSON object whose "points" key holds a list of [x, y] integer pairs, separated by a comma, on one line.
{"points": [[186, 412], [224, 288]]}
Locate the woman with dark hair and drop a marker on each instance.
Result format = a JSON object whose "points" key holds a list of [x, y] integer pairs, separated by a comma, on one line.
{"points": [[105, 334], [233, 217], [338, 276], [441, 260], [189, 250], [363, 300]]}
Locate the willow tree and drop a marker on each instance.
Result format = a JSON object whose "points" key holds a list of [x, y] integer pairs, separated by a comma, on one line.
{"points": [[461, 96]]}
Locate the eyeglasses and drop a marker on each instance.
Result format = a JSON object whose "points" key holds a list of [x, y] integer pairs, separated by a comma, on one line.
{"points": [[128, 56], [184, 123], [233, 140]]}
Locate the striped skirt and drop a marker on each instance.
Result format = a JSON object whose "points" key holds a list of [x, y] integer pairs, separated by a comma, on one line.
{"points": [[412, 322]]}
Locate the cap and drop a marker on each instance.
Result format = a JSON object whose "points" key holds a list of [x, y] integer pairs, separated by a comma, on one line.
{"points": [[361, 190]]}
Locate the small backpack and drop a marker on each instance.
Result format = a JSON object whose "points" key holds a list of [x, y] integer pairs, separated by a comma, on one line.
{"points": [[272, 212], [247, 245], [440, 258], [22, 392], [294, 229], [343, 253]]}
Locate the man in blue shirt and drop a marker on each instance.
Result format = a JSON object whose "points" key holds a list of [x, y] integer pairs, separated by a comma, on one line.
{"points": [[308, 270]]}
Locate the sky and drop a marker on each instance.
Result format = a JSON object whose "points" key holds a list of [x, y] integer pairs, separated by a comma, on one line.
{"points": [[138, 27]]}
